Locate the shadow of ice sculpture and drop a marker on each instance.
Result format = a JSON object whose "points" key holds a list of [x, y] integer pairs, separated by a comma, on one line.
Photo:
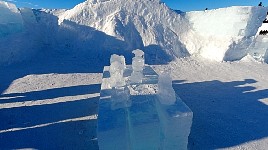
{"points": [[143, 115], [137, 66]]}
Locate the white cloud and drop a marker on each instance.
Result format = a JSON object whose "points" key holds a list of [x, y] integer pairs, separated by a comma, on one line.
{"points": [[12, 1], [29, 3]]}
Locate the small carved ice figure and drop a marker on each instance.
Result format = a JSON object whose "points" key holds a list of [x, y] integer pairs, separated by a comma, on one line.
{"points": [[166, 93], [137, 66], [117, 70]]}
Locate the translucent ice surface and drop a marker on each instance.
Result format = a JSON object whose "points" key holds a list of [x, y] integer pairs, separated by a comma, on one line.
{"points": [[120, 98]]}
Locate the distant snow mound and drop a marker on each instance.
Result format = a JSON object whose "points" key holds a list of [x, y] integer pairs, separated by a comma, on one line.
{"points": [[143, 24]]}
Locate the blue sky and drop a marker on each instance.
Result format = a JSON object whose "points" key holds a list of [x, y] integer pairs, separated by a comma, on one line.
{"points": [[184, 5]]}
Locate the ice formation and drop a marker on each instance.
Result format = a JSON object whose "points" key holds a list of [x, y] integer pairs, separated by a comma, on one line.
{"points": [[117, 71], [166, 92], [137, 66]]}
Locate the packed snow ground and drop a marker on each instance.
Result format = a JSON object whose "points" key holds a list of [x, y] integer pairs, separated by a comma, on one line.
{"points": [[50, 99]]}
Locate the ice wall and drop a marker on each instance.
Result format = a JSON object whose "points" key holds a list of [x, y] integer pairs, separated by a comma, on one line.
{"points": [[10, 19], [225, 33]]}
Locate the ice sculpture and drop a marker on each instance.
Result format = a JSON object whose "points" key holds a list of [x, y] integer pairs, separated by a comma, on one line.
{"points": [[116, 71], [166, 92], [143, 115], [137, 66]]}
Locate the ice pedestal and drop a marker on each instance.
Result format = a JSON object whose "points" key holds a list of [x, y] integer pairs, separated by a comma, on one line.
{"points": [[141, 122]]}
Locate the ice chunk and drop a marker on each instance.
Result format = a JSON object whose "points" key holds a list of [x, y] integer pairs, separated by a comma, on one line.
{"points": [[137, 66], [10, 19], [117, 70], [166, 92]]}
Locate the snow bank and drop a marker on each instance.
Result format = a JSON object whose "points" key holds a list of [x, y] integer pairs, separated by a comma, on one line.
{"points": [[144, 24], [225, 33], [221, 34], [100, 28], [10, 19]]}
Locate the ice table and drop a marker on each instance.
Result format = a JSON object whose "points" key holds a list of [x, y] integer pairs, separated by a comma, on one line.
{"points": [[141, 122]]}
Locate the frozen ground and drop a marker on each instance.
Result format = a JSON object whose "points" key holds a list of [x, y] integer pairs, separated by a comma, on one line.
{"points": [[49, 105], [44, 105]]}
